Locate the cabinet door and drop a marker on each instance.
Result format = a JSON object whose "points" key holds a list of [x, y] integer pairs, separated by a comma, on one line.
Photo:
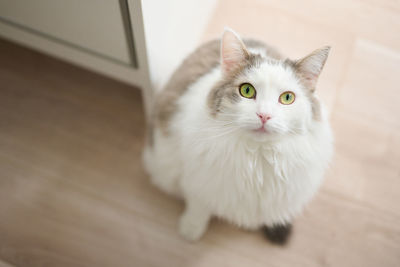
{"points": [[96, 26]]}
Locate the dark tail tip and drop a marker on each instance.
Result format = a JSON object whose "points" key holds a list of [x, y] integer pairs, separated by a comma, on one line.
{"points": [[278, 234]]}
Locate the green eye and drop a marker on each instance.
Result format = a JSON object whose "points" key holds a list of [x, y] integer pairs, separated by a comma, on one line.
{"points": [[247, 90], [287, 98]]}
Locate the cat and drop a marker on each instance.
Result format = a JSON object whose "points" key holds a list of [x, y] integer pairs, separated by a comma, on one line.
{"points": [[239, 134]]}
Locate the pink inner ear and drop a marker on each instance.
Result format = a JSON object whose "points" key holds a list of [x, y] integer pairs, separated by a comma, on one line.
{"points": [[311, 76], [310, 80], [233, 51], [229, 64]]}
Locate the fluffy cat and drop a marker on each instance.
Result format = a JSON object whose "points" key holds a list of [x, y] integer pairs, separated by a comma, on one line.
{"points": [[239, 134]]}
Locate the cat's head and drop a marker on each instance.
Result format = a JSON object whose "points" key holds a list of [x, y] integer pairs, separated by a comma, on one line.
{"points": [[265, 96]]}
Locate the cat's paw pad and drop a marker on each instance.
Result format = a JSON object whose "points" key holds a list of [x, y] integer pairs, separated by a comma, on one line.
{"points": [[190, 228]]}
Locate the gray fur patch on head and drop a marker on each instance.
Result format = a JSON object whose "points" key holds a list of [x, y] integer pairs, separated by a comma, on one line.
{"points": [[228, 88], [270, 51]]}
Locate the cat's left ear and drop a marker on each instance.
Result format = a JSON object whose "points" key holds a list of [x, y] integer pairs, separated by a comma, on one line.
{"points": [[233, 51], [310, 67]]}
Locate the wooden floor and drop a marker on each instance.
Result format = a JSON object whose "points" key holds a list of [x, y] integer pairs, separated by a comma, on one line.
{"points": [[73, 191]]}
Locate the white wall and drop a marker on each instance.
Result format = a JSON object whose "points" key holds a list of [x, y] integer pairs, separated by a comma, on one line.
{"points": [[173, 28]]}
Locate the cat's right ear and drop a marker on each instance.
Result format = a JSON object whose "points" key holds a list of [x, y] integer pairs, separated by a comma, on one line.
{"points": [[233, 51]]}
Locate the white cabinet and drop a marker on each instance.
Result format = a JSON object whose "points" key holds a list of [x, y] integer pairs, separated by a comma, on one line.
{"points": [[92, 25], [95, 34]]}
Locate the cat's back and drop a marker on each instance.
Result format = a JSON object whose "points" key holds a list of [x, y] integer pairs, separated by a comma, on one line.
{"points": [[197, 64]]}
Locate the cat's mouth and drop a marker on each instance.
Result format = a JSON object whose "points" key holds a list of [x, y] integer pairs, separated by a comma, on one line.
{"points": [[261, 130]]}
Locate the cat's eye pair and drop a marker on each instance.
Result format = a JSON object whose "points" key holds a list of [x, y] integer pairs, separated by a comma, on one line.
{"points": [[248, 91]]}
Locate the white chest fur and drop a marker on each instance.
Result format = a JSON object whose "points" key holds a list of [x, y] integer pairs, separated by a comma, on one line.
{"points": [[250, 184]]}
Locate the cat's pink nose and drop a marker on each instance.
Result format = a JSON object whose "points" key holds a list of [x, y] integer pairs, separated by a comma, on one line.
{"points": [[263, 117]]}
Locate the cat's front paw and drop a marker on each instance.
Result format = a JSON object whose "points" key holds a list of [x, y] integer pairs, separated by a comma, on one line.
{"points": [[191, 228]]}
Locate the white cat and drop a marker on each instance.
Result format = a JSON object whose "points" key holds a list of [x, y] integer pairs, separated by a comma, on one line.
{"points": [[239, 134]]}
